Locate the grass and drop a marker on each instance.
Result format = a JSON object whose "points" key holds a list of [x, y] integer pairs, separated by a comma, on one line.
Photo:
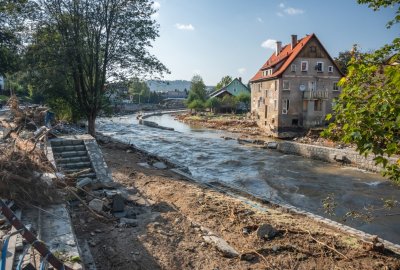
{"points": [[3, 98]]}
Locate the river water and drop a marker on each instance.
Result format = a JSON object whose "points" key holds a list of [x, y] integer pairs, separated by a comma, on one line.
{"points": [[298, 181]]}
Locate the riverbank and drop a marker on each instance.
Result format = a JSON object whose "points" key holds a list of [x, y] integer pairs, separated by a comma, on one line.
{"points": [[229, 122], [178, 221]]}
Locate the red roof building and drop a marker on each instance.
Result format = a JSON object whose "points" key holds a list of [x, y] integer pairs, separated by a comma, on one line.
{"points": [[294, 89]]}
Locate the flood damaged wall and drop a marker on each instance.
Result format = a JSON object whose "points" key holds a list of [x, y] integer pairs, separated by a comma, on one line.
{"points": [[344, 156]]}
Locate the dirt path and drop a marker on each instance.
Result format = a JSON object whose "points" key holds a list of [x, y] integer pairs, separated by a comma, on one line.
{"points": [[173, 216]]}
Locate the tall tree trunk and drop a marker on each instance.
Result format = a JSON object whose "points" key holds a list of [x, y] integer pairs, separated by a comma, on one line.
{"points": [[92, 123]]}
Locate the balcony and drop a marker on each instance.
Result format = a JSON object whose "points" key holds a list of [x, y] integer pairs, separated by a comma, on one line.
{"points": [[318, 94]]}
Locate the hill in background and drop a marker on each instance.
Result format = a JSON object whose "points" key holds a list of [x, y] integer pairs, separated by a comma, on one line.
{"points": [[165, 86]]}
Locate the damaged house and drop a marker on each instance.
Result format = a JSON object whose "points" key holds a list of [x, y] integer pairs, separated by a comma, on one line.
{"points": [[295, 88]]}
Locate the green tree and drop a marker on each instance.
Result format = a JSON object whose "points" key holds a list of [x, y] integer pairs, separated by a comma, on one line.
{"points": [[139, 90], [343, 60], [102, 39], [367, 112], [213, 103], [224, 82], [245, 98], [196, 105], [230, 102], [197, 90]]}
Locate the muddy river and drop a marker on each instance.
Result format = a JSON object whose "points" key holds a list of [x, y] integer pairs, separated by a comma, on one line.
{"points": [[298, 181]]}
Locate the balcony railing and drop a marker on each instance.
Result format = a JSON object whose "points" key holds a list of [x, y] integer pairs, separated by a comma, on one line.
{"points": [[318, 94]]}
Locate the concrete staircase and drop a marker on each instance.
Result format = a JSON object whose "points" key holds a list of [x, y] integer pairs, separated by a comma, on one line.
{"points": [[71, 156]]}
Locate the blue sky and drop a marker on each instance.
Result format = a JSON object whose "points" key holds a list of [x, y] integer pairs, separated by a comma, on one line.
{"points": [[214, 38]]}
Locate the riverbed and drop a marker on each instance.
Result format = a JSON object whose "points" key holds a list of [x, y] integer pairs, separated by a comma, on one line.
{"points": [[291, 179]]}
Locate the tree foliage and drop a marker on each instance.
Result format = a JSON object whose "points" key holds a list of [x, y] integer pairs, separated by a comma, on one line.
{"points": [[101, 40], [213, 103], [343, 60], [197, 90], [224, 82], [368, 110], [245, 98], [378, 4], [196, 105]]}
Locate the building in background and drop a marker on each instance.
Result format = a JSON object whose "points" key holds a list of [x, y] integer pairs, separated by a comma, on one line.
{"points": [[234, 88], [294, 90]]}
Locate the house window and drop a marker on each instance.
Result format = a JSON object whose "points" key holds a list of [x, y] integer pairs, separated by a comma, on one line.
{"points": [[330, 69], [234, 89], [293, 68], [319, 67], [318, 105], [335, 86], [276, 85], [275, 105], [259, 87], [270, 71], [295, 122], [304, 65], [266, 113], [313, 49], [286, 85], [285, 106]]}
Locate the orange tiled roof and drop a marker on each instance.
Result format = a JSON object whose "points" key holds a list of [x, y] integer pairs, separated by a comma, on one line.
{"points": [[287, 55]]}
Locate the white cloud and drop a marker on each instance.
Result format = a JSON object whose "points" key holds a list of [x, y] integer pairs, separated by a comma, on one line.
{"points": [[269, 44], [260, 20], [279, 14], [156, 5], [186, 27], [293, 11], [282, 5], [242, 70]]}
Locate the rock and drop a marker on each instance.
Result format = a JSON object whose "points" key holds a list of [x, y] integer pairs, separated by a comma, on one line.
{"points": [[128, 221], [96, 205], [272, 145], [129, 151], [98, 231], [84, 182], [266, 231], [247, 256], [118, 204], [221, 245], [160, 165], [92, 234], [144, 164], [120, 214]]}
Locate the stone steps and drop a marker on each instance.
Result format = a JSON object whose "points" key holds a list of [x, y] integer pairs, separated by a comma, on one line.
{"points": [[71, 156], [73, 159], [68, 148]]}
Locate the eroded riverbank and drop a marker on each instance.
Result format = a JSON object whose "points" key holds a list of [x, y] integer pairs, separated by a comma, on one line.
{"points": [[174, 215], [274, 176]]}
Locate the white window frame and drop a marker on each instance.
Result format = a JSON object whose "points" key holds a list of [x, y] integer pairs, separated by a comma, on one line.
{"points": [[322, 66], [288, 85], [330, 69], [335, 86], [293, 68], [306, 67], [285, 106]]}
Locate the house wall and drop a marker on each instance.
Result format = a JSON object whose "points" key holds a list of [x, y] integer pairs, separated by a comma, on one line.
{"points": [[236, 87], [265, 96], [308, 106]]}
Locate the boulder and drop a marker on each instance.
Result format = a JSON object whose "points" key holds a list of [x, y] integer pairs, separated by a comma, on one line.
{"points": [[118, 204], [221, 245], [96, 205], [266, 232], [84, 182], [160, 165]]}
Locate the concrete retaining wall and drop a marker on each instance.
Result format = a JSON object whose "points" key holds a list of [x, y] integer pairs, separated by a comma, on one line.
{"points": [[333, 155]]}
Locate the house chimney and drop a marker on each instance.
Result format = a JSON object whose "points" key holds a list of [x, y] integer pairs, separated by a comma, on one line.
{"points": [[240, 79], [294, 41], [278, 47]]}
